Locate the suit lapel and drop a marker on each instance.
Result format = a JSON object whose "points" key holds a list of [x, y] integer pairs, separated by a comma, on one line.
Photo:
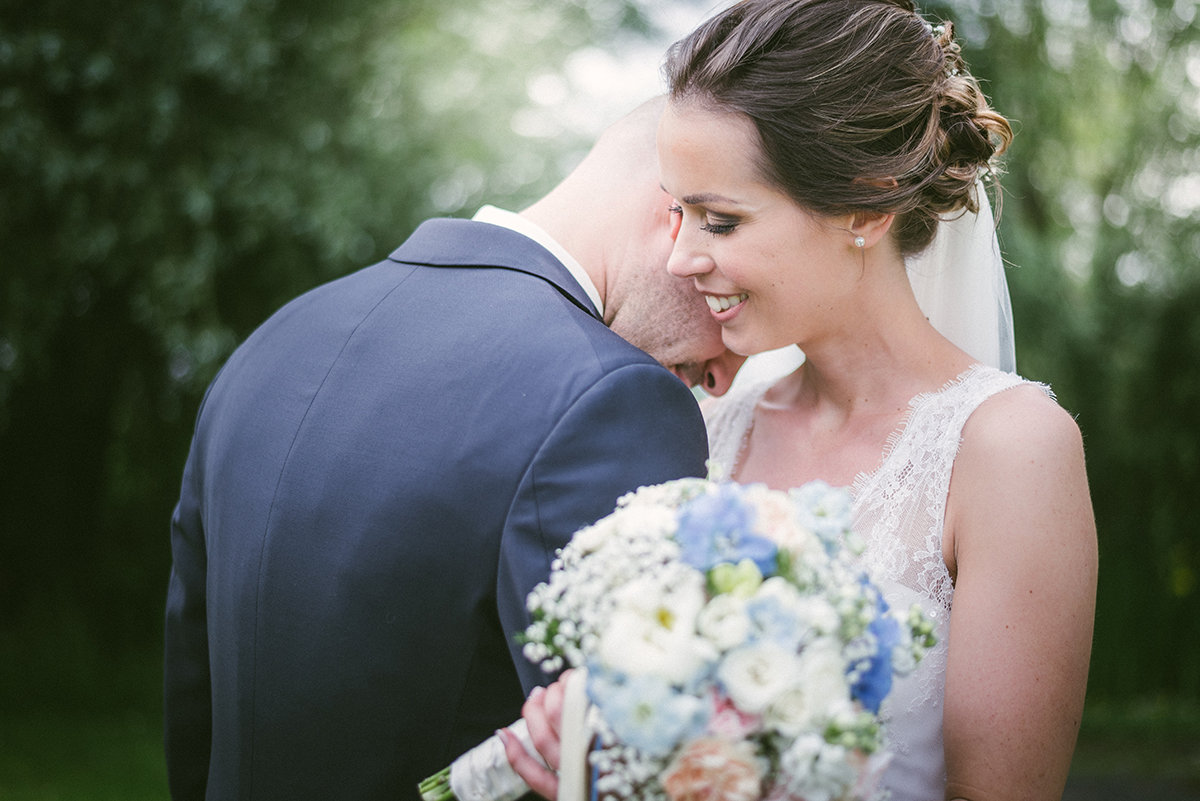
{"points": [[448, 242]]}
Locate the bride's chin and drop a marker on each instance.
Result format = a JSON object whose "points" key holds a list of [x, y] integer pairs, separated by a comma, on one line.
{"points": [[742, 341]]}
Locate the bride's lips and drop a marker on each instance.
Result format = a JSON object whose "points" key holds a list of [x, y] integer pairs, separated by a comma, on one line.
{"points": [[725, 307]]}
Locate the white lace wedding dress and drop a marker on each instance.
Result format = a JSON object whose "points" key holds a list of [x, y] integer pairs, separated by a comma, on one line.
{"points": [[898, 510]]}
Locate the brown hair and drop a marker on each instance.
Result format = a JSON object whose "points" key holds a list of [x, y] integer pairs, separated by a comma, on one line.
{"points": [[858, 104]]}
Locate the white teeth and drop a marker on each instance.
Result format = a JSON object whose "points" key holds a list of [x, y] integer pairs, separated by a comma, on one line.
{"points": [[719, 304]]}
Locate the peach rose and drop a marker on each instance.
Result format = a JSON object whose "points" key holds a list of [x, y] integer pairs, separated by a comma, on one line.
{"points": [[714, 769]]}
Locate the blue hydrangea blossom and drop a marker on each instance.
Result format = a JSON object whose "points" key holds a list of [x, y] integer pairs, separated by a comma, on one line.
{"points": [[718, 527]]}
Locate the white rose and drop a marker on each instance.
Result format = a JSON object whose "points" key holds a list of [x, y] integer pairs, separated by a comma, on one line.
{"points": [[724, 621], [818, 693], [754, 675], [652, 630]]}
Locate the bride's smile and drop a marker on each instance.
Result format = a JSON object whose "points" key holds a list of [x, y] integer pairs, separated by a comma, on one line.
{"points": [[724, 303], [772, 273]]}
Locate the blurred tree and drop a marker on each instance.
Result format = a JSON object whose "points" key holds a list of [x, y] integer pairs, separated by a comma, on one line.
{"points": [[1101, 222], [173, 172]]}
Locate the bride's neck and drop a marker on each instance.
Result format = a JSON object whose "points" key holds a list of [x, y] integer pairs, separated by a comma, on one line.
{"points": [[875, 367], [832, 417]]}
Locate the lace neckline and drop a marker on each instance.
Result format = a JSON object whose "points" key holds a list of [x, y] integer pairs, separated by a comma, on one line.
{"points": [[864, 477], [914, 405]]}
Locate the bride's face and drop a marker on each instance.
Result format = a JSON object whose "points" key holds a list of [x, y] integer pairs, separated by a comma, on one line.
{"points": [[772, 273], [659, 312]]}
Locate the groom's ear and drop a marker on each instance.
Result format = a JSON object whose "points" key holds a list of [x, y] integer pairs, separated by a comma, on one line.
{"points": [[676, 220], [674, 214]]}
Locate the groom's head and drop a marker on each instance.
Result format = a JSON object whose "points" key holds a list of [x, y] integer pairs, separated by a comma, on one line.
{"points": [[613, 216]]}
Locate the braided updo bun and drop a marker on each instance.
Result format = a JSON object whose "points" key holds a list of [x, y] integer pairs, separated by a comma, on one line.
{"points": [[859, 106]]}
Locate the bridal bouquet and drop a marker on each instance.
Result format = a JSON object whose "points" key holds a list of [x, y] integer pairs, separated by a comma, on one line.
{"points": [[734, 651]]}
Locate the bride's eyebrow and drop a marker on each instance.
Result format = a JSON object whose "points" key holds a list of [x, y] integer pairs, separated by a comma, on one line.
{"points": [[704, 197]]}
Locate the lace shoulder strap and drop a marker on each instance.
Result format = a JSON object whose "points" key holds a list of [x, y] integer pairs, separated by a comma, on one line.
{"points": [[900, 509], [729, 420]]}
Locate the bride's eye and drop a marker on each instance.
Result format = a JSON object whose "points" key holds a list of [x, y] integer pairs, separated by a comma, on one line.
{"points": [[718, 228], [676, 209]]}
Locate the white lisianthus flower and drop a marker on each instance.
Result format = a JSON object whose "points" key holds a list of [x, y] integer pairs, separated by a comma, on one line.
{"points": [[791, 712], [820, 614], [672, 598], [818, 691], [724, 622], [754, 675], [652, 630], [782, 591]]}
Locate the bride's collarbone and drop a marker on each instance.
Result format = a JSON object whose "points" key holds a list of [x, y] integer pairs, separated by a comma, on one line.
{"points": [[788, 453]]}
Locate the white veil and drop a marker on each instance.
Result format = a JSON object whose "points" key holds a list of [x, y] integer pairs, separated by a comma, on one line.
{"points": [[960, 285]]}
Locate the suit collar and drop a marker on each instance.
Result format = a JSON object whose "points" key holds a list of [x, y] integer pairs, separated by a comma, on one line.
{"points": [[448, 242]]}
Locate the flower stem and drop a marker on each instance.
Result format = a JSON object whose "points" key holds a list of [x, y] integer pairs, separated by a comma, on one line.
{"points": [[437, 787]]}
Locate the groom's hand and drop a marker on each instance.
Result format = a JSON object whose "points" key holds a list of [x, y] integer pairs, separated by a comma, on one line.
{"points": [[543, 715]]}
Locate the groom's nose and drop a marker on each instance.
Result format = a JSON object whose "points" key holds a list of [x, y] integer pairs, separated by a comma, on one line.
{"points": [[719, 372]]}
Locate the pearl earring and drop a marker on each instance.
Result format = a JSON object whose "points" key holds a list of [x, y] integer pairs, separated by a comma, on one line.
{"points": [[859, 241]]}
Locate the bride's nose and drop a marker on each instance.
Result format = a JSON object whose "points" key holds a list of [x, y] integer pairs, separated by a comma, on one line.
{"points": [[687, 260]]}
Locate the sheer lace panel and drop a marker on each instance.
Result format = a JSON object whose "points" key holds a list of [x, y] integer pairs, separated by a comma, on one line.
{"points": [[900, 508], [899, 511]]}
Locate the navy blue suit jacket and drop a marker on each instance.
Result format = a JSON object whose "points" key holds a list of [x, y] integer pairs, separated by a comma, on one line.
{"points": [[379, 476]]}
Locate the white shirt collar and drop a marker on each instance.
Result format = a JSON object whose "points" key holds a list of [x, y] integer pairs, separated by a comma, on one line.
{"points": [[515, 222]]}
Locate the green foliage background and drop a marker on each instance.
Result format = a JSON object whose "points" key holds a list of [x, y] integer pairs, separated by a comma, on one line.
{"points": [[1101, 220], [172, 171]]}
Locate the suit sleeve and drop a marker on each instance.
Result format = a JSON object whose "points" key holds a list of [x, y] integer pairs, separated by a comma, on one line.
{"points": [[638, 425], [187, 702]]}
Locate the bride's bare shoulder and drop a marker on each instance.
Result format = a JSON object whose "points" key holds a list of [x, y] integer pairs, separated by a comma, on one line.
{"points": [[1019, 472], [1019, 426]]}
